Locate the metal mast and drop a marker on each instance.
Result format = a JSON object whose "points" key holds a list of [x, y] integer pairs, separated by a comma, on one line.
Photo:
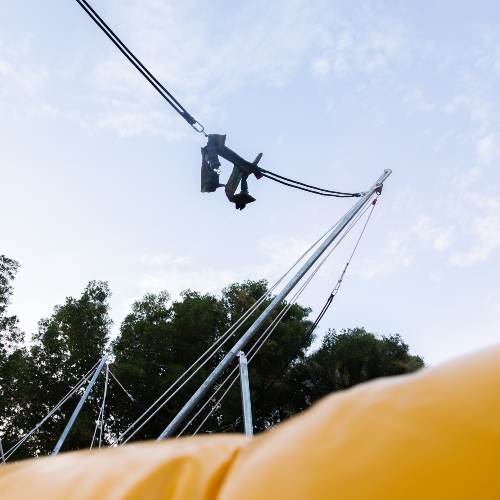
{"points": [[79, 407], [233, 353], [245, 394]]}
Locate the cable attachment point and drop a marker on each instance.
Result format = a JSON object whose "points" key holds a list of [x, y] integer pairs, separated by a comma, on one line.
{"points": [[210, 167], [201, 130]]}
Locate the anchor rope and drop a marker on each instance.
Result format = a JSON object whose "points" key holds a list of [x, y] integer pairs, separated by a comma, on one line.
{"points": [[84, 379], [223, 339], [270, 329]]}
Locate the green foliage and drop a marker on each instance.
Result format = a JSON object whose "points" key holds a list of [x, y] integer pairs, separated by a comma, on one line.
{"points": [[12, 356], [157, 342], [344, 360], [66, 347]]}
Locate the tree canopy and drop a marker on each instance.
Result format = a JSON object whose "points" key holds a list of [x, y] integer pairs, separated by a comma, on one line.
{"points": [[157, 342]]}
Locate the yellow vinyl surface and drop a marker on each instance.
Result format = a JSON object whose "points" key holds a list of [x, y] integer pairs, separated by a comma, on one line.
{"points": [[434, 434]]}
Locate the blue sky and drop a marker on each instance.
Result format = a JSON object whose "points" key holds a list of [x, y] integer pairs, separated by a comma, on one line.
{"points": [[100, 179]]}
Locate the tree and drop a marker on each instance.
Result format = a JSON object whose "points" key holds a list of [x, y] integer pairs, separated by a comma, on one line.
{"points": [[158, 343], [344, 360], [12, 356], [66, 346]]}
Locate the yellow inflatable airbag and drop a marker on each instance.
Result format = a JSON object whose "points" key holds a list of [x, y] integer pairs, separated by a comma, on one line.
{"points": [[431, 435]]}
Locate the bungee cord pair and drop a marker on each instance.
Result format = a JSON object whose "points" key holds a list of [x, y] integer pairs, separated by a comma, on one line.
{"points": [[210, 168]]}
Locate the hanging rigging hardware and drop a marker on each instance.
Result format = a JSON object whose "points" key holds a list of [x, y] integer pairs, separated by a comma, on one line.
{"points": [[216, 146], [210, 166], [277, 300]]}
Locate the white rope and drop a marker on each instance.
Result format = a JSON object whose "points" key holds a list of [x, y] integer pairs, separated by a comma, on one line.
{"points": [[100, 418], [63, 400], [96, 427], [269, 330], [226, 336]]}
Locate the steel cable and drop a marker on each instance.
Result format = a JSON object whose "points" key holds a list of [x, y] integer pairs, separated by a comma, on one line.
{"points": [[230, 332], [84, 379], [272, 326]]}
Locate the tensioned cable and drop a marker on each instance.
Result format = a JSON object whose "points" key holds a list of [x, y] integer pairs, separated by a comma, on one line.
{"points": [[201, 357], [163, 419], [270, 329], [228, 334], [181, 110], [139, 66], [321, 314], [84, 379], [100, 418], [311, 330], [217, 405], [103, 404], [292, 183]]}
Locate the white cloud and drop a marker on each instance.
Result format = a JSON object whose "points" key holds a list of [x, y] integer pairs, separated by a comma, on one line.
{"points": [[488, 149], [164, 259], [463, 181], [321, 68], [361, 40], [440, 237], [395, 256], [483, 230], [18, 72], [415, 99], [175, 280]]}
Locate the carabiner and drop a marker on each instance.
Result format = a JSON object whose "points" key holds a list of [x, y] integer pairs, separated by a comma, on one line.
{"points": [[202, 131]]}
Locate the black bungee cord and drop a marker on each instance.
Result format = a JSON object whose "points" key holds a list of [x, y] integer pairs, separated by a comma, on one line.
{"points": [[320, 191], [142, 69], [197, 126]]}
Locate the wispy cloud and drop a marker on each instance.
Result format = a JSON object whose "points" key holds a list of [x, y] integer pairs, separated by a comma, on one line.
{"points": [[359, 40], [440, 237], [415, 100], [483, 228], [18, 71]]}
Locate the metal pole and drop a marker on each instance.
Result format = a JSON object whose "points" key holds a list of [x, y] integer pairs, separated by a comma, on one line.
{"points": [[245, 395], [1, 452], [79, 407], [103, 404], [224, 364]]}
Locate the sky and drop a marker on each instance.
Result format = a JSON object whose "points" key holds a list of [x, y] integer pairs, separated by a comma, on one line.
{"points": [[100, 178]]}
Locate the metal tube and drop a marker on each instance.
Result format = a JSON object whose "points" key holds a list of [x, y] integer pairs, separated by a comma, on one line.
{"points": [[79, 407], [103, 404], [223, 365], [245, 395], [1, 452]]}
